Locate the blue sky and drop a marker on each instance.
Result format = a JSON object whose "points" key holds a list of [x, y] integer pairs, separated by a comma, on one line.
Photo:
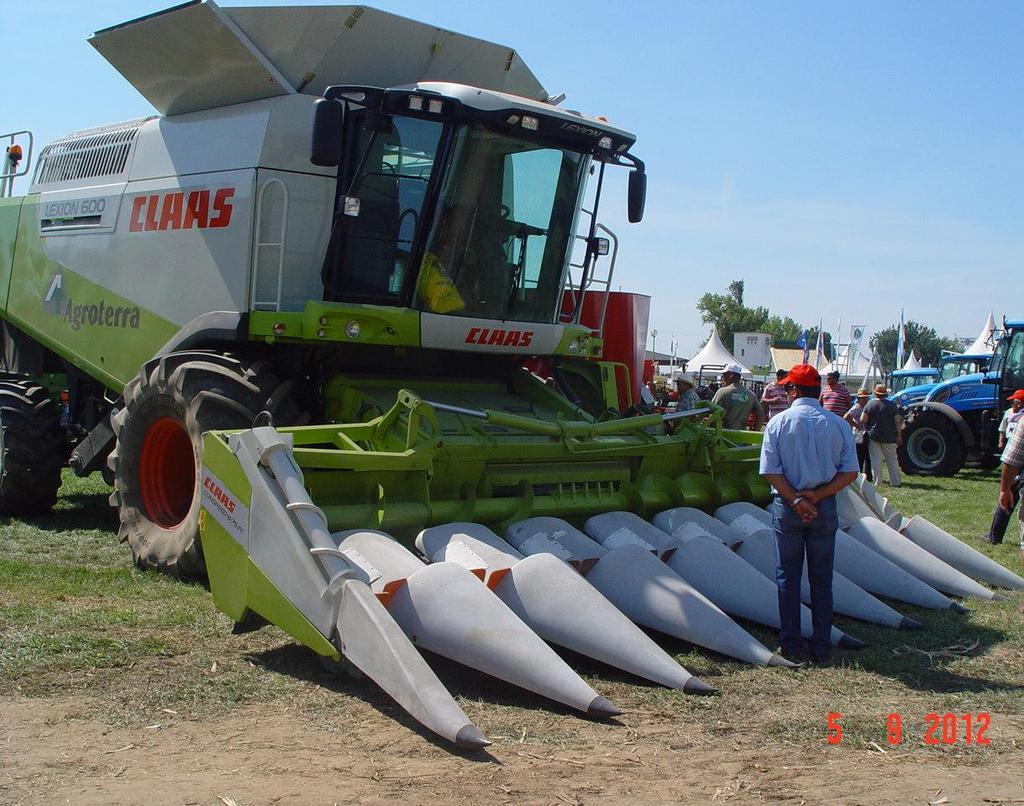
{"points": [[844, 159]]}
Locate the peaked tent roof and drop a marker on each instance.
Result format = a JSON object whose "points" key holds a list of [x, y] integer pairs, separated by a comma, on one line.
{"points": [[912, 362], [713, 355], [985, 344]]}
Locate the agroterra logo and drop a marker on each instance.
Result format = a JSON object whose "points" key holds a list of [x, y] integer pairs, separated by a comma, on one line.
{"points": [[91, 314]]}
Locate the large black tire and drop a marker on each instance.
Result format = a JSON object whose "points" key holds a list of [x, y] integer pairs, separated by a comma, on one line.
{"points": [[33, 449], [932, 445], [158, 452]]}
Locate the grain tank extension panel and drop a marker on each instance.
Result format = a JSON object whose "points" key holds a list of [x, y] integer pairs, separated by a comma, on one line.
{"points": [[199, 56]]}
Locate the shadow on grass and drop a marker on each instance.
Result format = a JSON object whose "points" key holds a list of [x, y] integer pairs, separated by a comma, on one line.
{"points": [[78, 511], [302, 664], [920, 659]]}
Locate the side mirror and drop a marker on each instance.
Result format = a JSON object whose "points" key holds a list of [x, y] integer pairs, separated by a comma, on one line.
{"points": [[325, 148], [637, 196]]}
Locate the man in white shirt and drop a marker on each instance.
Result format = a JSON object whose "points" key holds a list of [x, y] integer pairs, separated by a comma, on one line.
{"points": [[1011, 421]]}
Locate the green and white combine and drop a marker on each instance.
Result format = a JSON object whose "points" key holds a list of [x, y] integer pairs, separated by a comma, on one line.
{"points": [[333, 326]]}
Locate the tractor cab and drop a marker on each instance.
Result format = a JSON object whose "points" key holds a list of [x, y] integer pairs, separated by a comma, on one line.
{"points": [[956, 366], [906, 384], [1007, 366]]}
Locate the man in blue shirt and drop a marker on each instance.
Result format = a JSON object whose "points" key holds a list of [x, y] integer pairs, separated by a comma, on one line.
{"points": [[808, 456]]}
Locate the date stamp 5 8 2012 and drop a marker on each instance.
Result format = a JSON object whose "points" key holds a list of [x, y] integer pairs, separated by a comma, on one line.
{"points": [[939, 729]]}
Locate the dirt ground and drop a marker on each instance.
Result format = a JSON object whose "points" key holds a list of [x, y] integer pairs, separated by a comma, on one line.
{"points": [[51, 751]]}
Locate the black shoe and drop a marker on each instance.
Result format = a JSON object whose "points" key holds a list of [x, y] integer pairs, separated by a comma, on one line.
{"points": [[995, 541], [822, 659], [795, 656]]}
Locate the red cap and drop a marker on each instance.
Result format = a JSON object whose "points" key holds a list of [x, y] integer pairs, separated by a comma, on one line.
{"points": [[1018, 395], [803, 375]]}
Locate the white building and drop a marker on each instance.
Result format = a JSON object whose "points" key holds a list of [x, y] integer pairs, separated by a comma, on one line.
{"points": [[752, 349]]}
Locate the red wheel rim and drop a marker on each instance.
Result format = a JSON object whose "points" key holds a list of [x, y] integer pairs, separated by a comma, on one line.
{"points": [[167, 473]]}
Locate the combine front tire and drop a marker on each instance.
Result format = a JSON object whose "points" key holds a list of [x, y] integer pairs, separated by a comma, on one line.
{"points": [[159, 431], [32, 449], [932, 446]]}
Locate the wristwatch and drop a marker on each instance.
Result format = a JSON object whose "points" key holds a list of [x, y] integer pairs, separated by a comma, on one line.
{"points": [[796, 501]]}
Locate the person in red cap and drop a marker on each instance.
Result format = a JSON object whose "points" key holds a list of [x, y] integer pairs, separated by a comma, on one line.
{"points": [[808, 456], [1012, 460], [1007, 426]]}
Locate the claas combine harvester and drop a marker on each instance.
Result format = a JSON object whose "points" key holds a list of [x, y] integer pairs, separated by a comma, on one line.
{"points": [[337, 326]]}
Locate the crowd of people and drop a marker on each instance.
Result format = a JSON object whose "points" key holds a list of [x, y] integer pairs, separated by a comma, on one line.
{"points": [[817, 438], [813, 447], [875, 422]]}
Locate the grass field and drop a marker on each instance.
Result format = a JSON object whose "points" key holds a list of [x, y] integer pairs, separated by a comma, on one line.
{"points": [[76, 619]]}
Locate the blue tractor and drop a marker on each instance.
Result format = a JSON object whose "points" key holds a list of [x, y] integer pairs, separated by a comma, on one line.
{"points": [[910, 385], [955, 419]]}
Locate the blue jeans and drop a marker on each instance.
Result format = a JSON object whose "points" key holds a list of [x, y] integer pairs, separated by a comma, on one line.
{"points": [[794, 538]]}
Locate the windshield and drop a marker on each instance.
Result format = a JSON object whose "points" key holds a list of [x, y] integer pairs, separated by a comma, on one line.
{"points": [[954, 369], [899, 383], [505, 219], [1010, 360]]}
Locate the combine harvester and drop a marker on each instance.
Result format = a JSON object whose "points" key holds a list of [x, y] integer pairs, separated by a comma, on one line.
{"points": [[342, 299]]}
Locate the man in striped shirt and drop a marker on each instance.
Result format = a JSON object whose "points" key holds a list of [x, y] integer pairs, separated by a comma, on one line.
{"points": [[835, 397]]}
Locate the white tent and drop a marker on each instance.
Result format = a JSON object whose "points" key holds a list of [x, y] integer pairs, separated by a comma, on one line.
{"points": [[985, 344], [712, 357], [912, 362], [857, 367]]}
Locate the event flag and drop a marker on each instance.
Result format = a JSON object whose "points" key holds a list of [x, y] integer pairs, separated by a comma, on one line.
{"points": [[802, 343], [819, 348], [900, 343], [856, 337]]}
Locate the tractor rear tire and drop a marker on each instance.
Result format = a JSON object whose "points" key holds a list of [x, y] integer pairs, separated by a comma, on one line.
{"points": [[33, 449], [932, 446], [155, 462]]}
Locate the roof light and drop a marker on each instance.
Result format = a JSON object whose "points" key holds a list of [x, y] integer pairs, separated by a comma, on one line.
{"points": [[436, 107], [605, 142], [416, 103], [530, 123], [352, 206], [512, 120]]}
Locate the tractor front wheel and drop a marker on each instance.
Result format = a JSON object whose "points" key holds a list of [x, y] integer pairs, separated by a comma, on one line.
{"points": [[932, 446], [33, 449], [157, 457]]}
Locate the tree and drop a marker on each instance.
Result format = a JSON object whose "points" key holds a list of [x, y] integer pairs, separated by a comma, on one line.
{"points": [[729, 315], [923, 340], [783, 328]]}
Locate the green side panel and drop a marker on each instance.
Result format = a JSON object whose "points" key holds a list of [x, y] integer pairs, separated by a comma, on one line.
{"points": [[10, 211], [103, 334], [330, 321], [237, 584]]}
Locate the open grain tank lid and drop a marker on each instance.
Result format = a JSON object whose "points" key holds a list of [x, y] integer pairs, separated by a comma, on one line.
{"points": [[198, 55]]}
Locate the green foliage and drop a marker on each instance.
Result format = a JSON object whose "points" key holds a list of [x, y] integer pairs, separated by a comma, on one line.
{"points": [[728, 313], [783, 329], [923, 340]]}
